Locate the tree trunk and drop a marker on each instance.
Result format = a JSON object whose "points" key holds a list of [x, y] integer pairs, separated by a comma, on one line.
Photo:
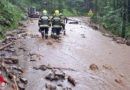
{"points": [[128, 10], [124, 19]]}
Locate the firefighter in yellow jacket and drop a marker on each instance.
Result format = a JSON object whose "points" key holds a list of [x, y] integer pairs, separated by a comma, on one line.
{"points": [[56, 25], [63, 19], [44, 24]]}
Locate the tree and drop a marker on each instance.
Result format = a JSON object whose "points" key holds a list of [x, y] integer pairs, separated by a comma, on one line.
{"points": [[129, 10], [124, 18]]}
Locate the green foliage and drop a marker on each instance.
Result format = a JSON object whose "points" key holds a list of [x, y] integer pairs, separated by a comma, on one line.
{"points": [[67, 13], [128, 30], [9, 16], [112, 21], [109, 14], [106, 12]]}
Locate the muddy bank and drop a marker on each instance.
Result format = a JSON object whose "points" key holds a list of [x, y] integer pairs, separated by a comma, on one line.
{"points": [[104, 32], [11, 49]]}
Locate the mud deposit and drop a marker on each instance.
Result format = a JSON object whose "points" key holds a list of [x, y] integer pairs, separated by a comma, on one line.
{"points": [[84, 59]]}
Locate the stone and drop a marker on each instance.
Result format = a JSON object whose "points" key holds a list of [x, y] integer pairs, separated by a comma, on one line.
{"points": [[43, 67], [49, 43], [13, 59], [59, 74], [121, 41], [106, 66], [107, 35], [24, 80], [32, 60], [20, 23], [67, 88], [8, 62], [50, 87], [35, 68], [9, 75], [51, 77], [119, 81], [11, 50], [71, 80], [94, 67], [95, 27], [24, 34], [74, 22], [17, 68], [21, 86], [83, 36], [122, 75], [9, 33], [22, 48], [60, 85]]}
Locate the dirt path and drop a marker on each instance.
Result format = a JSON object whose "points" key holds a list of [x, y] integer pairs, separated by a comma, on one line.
{"points": [[81, 47]]}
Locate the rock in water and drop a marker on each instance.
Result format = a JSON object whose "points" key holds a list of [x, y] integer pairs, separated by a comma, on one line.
{"points": [[21, 86], [25, 81], [43, 67], [122, 75], [94, 67], [49, 43], [60, 74], [83, 36], [67, 88], [17, 68], [74, 22], [51, 77], [106, 66], [50, 87], [71, 80], [13, 59], [119, 81]]}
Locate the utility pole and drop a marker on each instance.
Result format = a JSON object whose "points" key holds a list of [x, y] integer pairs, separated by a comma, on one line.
{"points": [[124, 18]]}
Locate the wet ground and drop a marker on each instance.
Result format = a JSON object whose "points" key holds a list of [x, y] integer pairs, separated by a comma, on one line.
{"points": [[74, 53]]}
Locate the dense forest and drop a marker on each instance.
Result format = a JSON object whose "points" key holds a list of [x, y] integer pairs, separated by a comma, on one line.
{"points": [[113, 15]]}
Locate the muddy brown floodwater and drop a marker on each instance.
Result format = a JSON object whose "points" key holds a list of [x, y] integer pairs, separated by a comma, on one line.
{"points": [[81, 47]]}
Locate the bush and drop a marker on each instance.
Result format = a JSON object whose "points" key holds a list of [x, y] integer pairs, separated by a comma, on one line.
{"points": [[9, 16]]}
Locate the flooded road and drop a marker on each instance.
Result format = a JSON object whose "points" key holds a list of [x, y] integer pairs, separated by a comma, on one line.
{"points": [[81, 47]]}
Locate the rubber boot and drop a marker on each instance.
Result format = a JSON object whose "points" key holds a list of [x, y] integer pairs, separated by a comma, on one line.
{"points": [[64, 33], [52, 36], [46, 37], [42, 35]]}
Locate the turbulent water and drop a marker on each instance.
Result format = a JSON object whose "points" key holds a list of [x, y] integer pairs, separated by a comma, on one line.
{"points": [[81, 47]]}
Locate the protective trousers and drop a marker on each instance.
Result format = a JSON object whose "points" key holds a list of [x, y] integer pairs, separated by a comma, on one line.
{"points": [[56, 32], [44, 32]]}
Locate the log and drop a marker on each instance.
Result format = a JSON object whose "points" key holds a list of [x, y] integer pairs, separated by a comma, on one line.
{"points": [[7, 45], [15, 83]]}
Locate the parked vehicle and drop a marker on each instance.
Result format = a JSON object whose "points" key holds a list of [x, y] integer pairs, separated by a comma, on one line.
{"points": [[33, 13]]}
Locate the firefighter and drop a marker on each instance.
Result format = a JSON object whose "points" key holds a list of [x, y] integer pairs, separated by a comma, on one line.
{"points": [[63, 19], [56, 25], [44, 24]]}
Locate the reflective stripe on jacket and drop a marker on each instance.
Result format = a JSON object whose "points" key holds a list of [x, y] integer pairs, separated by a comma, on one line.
{"points": [[56, 21], [44, 21]]}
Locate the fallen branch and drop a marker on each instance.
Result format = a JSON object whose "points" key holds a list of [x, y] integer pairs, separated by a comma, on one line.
{"points": [[7, 45], [69, 69], [15, 83]]}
